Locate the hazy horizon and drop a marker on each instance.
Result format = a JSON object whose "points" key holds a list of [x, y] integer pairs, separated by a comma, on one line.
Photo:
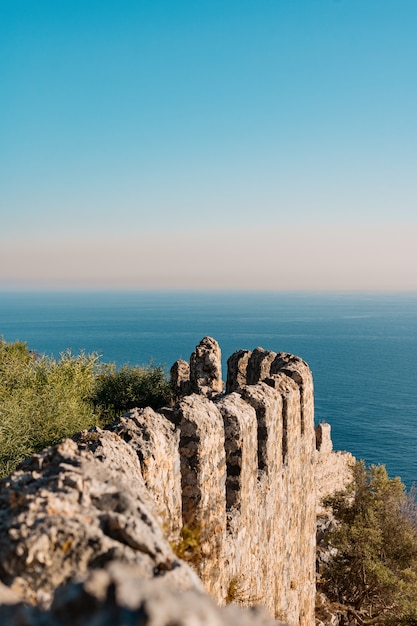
{"points": [[173, 144]]}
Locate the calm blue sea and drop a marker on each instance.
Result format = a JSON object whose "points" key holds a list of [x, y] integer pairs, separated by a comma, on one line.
{"points": [[362, 348]]}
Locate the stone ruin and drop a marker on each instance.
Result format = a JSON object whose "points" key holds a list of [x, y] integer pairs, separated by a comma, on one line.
{"points": [[246, 476], [227, 480]]}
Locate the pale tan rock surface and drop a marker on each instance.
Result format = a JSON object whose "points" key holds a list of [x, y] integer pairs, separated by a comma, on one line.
{"points": [[155, 441], [206, 368], [75, 507], [333, 468], [237, 366], [262, 507], [180, 378], [119, 596]]}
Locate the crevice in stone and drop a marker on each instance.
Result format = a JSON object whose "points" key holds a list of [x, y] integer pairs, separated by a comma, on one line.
{"points": [[284, 430], [190, 470], [233, 450], [262, 438]]}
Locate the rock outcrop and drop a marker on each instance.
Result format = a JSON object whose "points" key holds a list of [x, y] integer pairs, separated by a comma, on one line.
{"points": [[203, 374], [118, 595], [77, 507], [333, 468]]}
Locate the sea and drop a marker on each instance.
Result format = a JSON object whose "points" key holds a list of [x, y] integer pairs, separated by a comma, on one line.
{"points": [[361, 347]]}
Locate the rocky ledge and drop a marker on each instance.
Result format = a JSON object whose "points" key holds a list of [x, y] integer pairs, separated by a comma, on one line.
{"points": [[118, 595], [80, 545]]}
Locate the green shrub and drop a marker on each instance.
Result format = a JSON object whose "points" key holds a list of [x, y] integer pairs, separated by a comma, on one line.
{"points": [[374, 568], [43, 400], [119, 390]]}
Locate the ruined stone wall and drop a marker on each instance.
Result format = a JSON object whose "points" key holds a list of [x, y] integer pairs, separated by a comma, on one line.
{"points": [[233, 479], [80, 545], [236, 472], [333, 469]]}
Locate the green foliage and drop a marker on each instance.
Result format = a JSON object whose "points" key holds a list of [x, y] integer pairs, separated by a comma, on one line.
{"points": [[374, 568], [239, 593], [233, 591], [43, 400], [189, 547], [117, 391]]}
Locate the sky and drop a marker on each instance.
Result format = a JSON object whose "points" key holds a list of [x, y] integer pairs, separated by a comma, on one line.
{"points": [[219, 144]]}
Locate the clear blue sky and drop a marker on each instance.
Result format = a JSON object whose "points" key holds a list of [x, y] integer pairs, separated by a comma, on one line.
{"points": [[156, 143]]}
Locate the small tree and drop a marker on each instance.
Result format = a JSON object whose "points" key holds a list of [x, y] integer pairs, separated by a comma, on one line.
{"points": [[374, 568], [117, 391]]}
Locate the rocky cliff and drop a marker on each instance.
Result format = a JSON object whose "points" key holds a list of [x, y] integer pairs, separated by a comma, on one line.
{"points": [[332, 467], [231, 480]]}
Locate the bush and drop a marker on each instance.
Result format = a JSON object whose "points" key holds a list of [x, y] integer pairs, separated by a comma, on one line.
{"points": [[374, 568], [43, 400], [118, 391]]}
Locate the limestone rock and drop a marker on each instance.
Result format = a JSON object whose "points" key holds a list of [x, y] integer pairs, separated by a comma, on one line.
{"points": [[206, 368], [323, 440], [203, 476], [119, 596], [237, 365], [333, 468], [180, 378], [8, 597], [155, 442], [76, 507], [240, 427], [259, 365]]}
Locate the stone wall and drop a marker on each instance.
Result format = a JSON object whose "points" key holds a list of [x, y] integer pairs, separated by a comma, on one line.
{"points": [[332, 468], [244, 463], [232, 479], [77, 507]]}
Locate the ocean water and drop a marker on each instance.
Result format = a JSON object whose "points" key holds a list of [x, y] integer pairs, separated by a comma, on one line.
{"points": [[362, 348]]}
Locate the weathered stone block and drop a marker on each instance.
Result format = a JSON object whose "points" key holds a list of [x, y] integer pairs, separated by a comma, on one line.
{"points": [[206, 368], [203, 480], [259, 365], [75, 507], [180, 378], [155, 441], [237, 365]]}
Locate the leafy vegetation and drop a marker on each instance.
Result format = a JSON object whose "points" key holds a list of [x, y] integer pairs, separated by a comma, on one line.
{"points": [[43, 399], [120, 390], [374, 567], [189, 546]]}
